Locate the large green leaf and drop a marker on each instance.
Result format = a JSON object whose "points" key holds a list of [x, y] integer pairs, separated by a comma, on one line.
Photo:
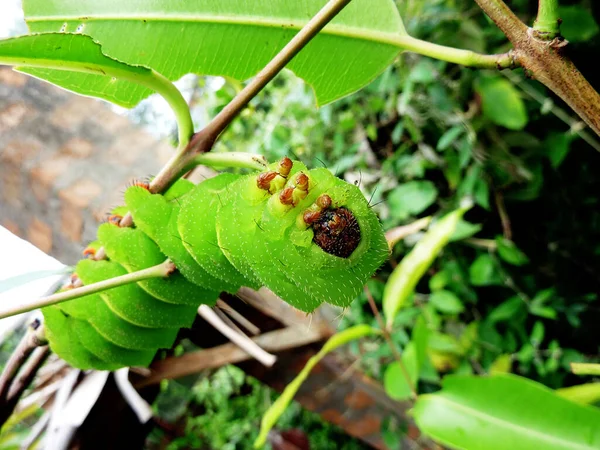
{"points": [[584, 393], [578, 24], [505, 412], [502, 103], [234, 38], [75, 62]]}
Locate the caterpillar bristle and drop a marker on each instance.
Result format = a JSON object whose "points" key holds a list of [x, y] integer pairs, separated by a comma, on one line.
{"points": [[258, 225], [143, 183], [372, 195], [358, 182]]}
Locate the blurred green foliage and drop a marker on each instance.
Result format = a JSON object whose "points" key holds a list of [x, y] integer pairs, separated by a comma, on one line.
{"points": [[223, 409], [516, 290]]}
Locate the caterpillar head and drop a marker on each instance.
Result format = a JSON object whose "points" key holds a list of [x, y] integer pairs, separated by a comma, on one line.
{"points": [[337, 232], [314, 234]]}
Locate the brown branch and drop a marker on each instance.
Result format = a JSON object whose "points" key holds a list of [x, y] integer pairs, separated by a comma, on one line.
{"points": [[194, 362], [11, 386], [396, 234], [547, 62], [550, 65], [575, 124], [26, 375], [34, 337], [504, 218], [249, 326], [204, 140], [504, 18]]}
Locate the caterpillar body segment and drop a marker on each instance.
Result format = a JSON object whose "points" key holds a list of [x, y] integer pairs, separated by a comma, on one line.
{"points": [[131, 303], [111, 327], [107, 351], [136, 251], [305, 234], [157, 217], [64, 342], [197, 226], [247, 221]]}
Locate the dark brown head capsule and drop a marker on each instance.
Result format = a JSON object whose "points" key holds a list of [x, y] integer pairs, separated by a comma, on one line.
{"points": [[336, 231]]}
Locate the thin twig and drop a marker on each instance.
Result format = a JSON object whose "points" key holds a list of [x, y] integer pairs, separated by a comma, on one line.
{"points": [[22, 381], [227, 321], [159, 271], [136, 402], [488, 244], [249, 326], [204, 140], [576, 126], [27, 373], [373, 306], [196, 361], [245, 343], [39, 396], [36, 431], [388, 337], [396, 234], [56, 437], [504, 218], [34, 337]]}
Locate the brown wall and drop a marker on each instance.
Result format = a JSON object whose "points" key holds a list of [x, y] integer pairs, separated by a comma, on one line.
{"points": [[65, 161]]}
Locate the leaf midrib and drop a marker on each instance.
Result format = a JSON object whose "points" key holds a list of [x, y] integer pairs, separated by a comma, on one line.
{"points": [[395, 39], [508, 425]]}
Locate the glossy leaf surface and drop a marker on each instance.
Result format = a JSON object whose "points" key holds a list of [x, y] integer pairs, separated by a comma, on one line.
{"points": [[233, 38], [505, 412]]}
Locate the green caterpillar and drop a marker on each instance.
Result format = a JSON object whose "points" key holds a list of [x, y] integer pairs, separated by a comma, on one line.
{"points": [[305, 234]]}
